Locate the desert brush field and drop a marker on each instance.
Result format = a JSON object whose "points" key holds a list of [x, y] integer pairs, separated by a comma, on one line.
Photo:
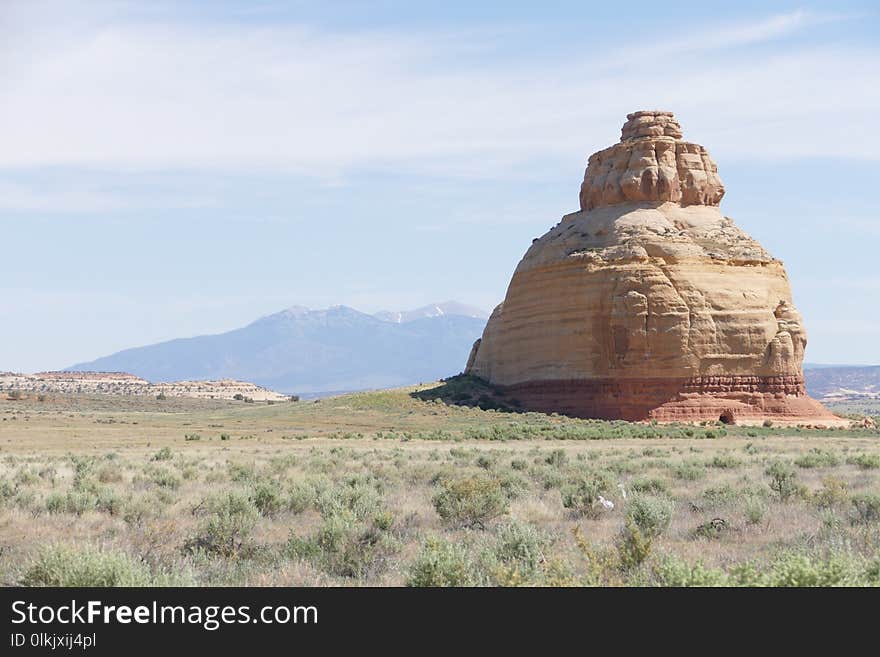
{"points": [[405, 487]]}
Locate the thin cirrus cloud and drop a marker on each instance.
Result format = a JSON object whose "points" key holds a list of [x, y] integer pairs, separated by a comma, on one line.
{"points": [[74, 196], [720, 38], [742, 34], [302, 100]]}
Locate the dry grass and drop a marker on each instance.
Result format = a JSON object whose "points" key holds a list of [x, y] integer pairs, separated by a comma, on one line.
{"points": [[341, 492]]}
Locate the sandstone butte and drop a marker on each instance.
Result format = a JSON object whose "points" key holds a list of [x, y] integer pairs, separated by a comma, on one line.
{"points": [[649, 303]]}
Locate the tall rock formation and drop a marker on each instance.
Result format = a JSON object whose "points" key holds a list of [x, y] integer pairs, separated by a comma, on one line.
{"points": [[649, 303]]}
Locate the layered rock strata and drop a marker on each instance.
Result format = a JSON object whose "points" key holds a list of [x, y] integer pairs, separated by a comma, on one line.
{"points": [[649, 303]]}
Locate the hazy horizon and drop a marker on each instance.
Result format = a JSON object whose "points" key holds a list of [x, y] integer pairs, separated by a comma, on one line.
{"points": [[172, 169], [807, 363]]}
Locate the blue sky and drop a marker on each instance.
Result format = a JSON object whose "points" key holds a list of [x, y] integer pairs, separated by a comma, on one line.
{"points": [[178, 168]]}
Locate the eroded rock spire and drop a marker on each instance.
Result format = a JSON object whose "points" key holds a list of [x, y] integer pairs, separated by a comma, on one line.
{"points": [[651, 164], [649, 303]]}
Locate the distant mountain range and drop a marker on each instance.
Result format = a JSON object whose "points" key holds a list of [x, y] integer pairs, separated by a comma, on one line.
{"points": [[305, 351], [843, 382], [433, 310], [340, 349]]}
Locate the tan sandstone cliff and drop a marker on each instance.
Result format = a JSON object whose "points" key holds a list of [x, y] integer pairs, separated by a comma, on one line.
{"points": [[649, 303]]}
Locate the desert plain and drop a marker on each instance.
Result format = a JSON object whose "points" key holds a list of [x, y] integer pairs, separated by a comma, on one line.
{"points": [[421, 486]]}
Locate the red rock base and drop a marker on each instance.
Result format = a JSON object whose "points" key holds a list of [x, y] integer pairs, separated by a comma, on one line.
{"points": [[731, 399]]}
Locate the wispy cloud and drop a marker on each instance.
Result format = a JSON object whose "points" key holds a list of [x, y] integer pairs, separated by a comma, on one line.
{"points": [[21, 197], [743, 34], [108, 94], [77, 197]]}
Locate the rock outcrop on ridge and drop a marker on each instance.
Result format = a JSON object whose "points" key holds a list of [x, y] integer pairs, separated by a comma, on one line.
{"points": [[124, 384], [649, 303]]}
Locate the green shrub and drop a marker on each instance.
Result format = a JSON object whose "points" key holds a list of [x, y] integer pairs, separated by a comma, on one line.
{"points": [[791, 569], [471, 501], [755, 509], [633, 546], [675, 572], [164, 454], [725, 461], [796, 569], [109, 474], [513, 485], [279, 465], [359, 494], [520, 549], [783, 479], [108, 501], [383, 520], [648, 485], [865, 461], [720, 496], [26, 500], [345, 548], [70, 502], [548, 476], [485, 461], [519, 464], [7, 490], [866, 508], [585, 497], [78, 502], [689, 471], [242, 472], [650, 513], [229, 521], [267, 497], [165, 478], [833, 492], [442, 563], [366, 551], [817, 458], [55, 503], [82, 468], [557, 458], [26, 477], [62, 565], [643, 523], [626, 465], [305, 494], [137, 509]]}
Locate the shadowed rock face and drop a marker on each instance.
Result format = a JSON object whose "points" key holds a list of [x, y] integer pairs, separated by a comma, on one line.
{"points": [[649, 303]]}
